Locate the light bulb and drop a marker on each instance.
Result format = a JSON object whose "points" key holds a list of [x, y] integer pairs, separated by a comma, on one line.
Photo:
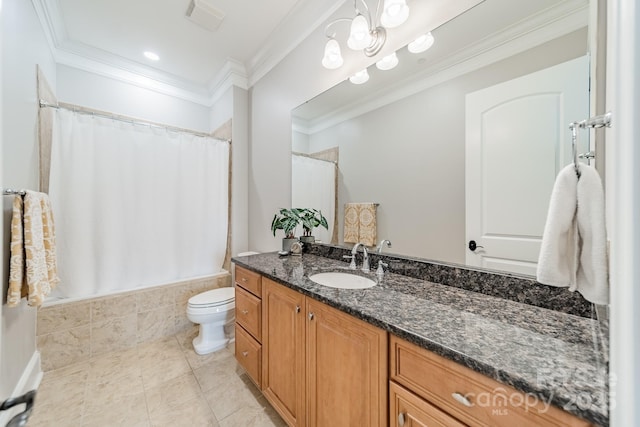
{"points": [[395, 13], [151, 55], [388, 62], [421, 44], [359, 77], [332, 57], [359, 37]]}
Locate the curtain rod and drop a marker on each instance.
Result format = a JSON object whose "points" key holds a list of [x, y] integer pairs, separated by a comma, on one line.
{"points": [[126, 119], [294, 153]]}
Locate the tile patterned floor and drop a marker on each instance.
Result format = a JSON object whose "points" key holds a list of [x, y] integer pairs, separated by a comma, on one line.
{"points": [[161, 383]]}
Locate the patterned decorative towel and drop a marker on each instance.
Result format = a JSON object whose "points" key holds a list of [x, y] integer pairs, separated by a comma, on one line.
{"points": [[360, 223], [32, 265]]}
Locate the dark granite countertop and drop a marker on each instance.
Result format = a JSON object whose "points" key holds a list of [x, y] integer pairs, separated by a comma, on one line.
{"points": [[553, 355]]}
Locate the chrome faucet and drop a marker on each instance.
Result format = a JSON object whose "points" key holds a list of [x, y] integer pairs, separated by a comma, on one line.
{"points": [[382, 243], [365, 259]]}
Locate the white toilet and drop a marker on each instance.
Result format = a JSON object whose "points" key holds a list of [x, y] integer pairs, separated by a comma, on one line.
{"points": [[214, 310]]}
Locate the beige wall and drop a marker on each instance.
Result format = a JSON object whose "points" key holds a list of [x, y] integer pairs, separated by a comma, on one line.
{"points": [[23, 46], [409, 156]]}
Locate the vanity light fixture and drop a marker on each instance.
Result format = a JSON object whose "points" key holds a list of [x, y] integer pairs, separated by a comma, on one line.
{"points": [[151, 55], [359, 77], [422, 43], [366, 33], [388, 62], [332, 56], [395, 13]]}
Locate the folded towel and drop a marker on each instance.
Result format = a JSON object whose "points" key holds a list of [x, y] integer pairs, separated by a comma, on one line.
{"points": [[32, 265], [360, 223], [351, 223], [573, 251]]}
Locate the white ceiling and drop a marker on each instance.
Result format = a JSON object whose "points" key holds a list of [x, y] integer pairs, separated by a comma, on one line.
{"points": [[110, 36]]}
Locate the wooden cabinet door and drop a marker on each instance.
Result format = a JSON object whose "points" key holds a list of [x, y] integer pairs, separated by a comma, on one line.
{"points": [[408, 410], [283, 365], [346, 370]]}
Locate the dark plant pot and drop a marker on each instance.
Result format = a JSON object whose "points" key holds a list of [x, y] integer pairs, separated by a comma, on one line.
{"points": [[286, 244], [307, 239]]}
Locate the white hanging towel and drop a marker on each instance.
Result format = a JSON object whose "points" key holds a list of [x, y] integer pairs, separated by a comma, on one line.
{"points": [[593, 272], [558, 259], [573, 251]]}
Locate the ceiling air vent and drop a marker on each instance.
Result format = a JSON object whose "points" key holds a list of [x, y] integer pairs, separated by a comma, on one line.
{"points": [[204, 14]]}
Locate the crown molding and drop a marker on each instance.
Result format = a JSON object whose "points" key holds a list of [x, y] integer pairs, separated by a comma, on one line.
{"points": [[51, 21], [524, 35], [233, 73], [83, 57], [289, 34], [304, 19]]}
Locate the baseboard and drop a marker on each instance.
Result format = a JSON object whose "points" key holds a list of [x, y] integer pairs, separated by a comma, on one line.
{"points": [[29, 380]]}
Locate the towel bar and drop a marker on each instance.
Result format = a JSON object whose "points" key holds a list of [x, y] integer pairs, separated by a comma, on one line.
{"points": [[11, 192]]}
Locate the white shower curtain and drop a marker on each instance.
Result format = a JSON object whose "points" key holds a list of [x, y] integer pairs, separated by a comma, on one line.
{"points": [[313, 185], [134, 205]]}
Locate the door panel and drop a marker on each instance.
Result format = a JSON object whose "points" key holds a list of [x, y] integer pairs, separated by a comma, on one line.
{"points": [[283, 364], [346, 368], [517, 140]]}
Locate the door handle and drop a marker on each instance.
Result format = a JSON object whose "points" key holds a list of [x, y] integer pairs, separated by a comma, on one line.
{"points": [[473, 246]]}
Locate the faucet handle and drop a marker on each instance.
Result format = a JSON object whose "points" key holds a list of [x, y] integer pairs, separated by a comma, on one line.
{"points": [[352, 266], [381, 265]]}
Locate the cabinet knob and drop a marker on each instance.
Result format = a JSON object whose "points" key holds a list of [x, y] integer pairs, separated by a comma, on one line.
{"points": [[460, 398], [297, 309], [245, 311], [400, 419], [310, 315], [245, 353], [244, 279]]}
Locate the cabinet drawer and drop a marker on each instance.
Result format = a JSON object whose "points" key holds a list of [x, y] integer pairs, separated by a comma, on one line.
{"points": [[249, 312], [249, 355], [407, 409], [249, 280], [467, 395]]}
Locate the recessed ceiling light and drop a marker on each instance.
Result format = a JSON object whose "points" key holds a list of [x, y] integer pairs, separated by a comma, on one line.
{"points": [[152, 56]]}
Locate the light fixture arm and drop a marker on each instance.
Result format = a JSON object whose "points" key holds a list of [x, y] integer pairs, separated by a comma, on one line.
{"points": [[377, 32], [330, 24]]}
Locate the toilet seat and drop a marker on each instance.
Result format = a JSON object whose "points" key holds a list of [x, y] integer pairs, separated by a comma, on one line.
{"points": [[213, 298]]}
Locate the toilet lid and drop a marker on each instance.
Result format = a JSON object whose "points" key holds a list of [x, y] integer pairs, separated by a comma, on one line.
{"points": [[213, 297]]}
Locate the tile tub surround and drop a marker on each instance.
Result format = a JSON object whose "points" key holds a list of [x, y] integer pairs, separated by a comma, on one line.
{"points": [[549, 354], [72, 332], [495, 283]]}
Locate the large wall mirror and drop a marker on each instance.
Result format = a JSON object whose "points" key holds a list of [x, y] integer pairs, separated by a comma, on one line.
{"points": [[460, 142]]}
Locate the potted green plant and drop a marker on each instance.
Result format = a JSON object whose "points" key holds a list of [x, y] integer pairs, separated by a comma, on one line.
{"points": [[286, 220], [310, 219]]}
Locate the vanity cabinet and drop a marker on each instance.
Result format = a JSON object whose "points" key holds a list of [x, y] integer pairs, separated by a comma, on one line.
{"points": [[248, 314], [284, 351], [321, 367], [466, 395]]}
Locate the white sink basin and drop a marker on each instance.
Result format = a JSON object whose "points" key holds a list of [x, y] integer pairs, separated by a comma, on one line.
{"points": [[342, 280]]}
